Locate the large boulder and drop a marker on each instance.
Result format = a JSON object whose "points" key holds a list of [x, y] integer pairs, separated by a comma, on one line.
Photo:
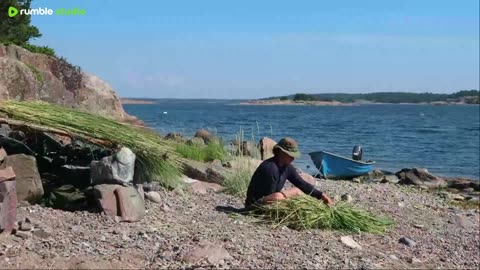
{"points": [[420, 177], [29, 185], [8, 200], [117, 200], [266, 148], [31, 76], [118, 168], [208, 172], [204, 134]]}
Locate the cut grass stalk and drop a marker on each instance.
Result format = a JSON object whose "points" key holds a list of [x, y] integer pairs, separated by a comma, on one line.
{"points": [[305, 212], [157, 160]]}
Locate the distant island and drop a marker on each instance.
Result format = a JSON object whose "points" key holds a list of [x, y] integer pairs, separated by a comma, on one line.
{"points": [[342, 99]]}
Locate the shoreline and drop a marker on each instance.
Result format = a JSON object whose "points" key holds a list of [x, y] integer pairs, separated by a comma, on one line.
{"points": [[337, 103], [136, 101]]}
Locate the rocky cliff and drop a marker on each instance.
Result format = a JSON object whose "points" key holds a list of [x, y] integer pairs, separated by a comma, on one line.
{"points": [[30, 76]]}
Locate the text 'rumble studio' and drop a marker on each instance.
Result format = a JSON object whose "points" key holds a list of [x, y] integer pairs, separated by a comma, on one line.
{"points": [[12, 11]]}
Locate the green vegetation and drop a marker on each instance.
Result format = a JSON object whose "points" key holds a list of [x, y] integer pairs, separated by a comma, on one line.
{"points": [[156, 157], [17, 30], [467, 96], [37, 73], [306, 212], [211, 151], [237, 180]]}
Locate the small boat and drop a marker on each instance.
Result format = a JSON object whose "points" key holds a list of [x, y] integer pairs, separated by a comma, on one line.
{"points": [[337, 167]]}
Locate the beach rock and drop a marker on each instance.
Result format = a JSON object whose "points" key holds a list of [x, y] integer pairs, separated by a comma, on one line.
{"points": [[196, 142], [153, 196], [139, 188], [266, 148], [115, 169], [204, 171], [407, 241], [349, 242], [8, 200], [25, 75], [457, 197], [25, 226], [24, 235], [463, 222], [200, 187], [347, 198], [67, 197], [461, 183], [174, 136], [420, 177], [28, 183], [43, 233], [208, 252], [3, 154], [106, 199], [5, 130], [203, 134], [78, 176], [152, 186], [130, 204], [392, 179], [13, 146], [249, 149]]}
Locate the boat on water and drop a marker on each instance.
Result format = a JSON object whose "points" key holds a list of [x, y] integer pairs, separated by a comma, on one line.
{"points": [[334, 166]]}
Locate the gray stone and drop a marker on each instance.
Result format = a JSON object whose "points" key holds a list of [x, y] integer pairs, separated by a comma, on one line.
{"points": [[196, 142], [117, 169], [153, 196], [204, 171], [208, 252], [140, 191], [3, 154], [29, 185], [42, 233], [199, 187], [349, 242], [457, 197], [23, 234], [266, 148], [25, 226], [420, 177], [407, 241], [463, 222], [347, 198]]}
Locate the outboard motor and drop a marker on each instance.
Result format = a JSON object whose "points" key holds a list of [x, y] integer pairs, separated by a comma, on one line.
{"points": [[357, 152]]}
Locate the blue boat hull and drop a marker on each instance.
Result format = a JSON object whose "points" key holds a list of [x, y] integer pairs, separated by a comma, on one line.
{"points": [[334, 166]]}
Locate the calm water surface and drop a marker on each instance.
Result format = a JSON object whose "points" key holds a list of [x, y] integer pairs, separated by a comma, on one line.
{"points": [[444, 139]]}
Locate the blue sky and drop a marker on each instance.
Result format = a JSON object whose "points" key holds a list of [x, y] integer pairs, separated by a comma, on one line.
{"points": [[252, 49]]}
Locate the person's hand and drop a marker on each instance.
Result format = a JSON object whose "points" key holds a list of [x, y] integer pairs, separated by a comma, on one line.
{"points": [[327, 200]]}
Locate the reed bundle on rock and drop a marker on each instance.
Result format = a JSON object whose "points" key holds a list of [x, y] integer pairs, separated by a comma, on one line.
{"points": [[306, 212], [156, 157]]}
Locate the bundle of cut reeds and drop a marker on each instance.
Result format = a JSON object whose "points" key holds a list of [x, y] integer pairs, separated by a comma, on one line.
{"points": [[156, 157], [306, 212]]}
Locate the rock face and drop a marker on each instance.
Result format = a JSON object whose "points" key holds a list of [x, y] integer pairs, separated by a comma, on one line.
{"points": [[29, 184], [30, 76], [208, 172], [420, 177]]}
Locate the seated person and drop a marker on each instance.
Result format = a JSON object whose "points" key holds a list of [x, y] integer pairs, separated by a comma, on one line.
{"points": [[268, 180]]}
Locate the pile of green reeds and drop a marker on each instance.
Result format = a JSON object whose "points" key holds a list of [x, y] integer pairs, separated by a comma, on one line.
{"points": [[210, 151], [306, 212], [156, 157]]}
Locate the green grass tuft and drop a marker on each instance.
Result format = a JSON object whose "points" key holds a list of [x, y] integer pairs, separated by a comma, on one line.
{"points": [[156, 157], [36, 73], [204, 153], [306, 212], [237, 180]]}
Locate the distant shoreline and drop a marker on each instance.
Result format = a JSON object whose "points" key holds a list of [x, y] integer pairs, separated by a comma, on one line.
{"points": [[277, 102], [136, 101]]}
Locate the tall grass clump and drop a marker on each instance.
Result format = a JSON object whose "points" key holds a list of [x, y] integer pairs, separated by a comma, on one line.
{"points": [[306, 212], [211, 151], [157, 159], [237, 180]]}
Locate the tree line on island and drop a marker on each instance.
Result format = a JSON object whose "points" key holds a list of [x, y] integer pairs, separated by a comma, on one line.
{"points": [[464, 96]]}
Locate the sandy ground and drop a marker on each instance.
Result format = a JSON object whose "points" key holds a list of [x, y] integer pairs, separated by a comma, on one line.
{"points": [[445, 236]]}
